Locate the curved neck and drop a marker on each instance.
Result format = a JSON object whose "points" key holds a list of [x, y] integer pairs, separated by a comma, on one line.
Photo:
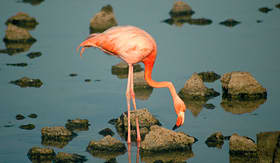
{"points": [[149, 63]]}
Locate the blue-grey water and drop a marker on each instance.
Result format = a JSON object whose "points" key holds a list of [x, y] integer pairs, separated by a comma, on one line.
{"points": [[182, 50]]}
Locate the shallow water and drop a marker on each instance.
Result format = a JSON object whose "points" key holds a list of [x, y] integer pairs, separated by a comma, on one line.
{"points": [[249, 46]]}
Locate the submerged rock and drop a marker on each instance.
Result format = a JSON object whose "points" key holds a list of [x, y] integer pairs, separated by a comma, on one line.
{"points": [[243, 86], [33, 2], [230, 23], [268, 145], [209, 76], [236, 106], [194, 88], [145, 118], [121, 69], [15, 34], [27, 127], [160, 140], [23, 20], [264, 9], [242, 146], [77, 125], [20, 117], [34, 55], [40, 154], [199, 21], [62, 157], [33, 115], [141, 88], [17, 64], [106, 148], [181, 8], [106, 131], [103, 20], [27, 82], [215, 140], [278, 5]]}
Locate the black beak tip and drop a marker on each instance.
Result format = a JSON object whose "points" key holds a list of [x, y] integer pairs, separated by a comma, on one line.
{"points": [[175, 127]]}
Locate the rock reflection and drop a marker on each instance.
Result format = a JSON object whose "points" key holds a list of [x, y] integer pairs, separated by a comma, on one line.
{"points": [[103, 20], [17, 40], [167, 157], [241, 107], [182, 13], [141, 88], [268, 145]]}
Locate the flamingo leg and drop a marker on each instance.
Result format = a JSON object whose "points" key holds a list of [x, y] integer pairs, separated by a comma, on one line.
{"points": [[133, 100], [128, 106]]}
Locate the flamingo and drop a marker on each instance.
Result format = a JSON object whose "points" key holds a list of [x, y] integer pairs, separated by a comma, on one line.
{"points": [[134, 45]]}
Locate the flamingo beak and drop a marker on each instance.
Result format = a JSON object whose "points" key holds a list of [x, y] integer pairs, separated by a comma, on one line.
{"points": [[180, 120]]}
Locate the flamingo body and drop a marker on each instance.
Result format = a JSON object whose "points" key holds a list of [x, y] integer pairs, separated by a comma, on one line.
{"points": [[134, 45]]}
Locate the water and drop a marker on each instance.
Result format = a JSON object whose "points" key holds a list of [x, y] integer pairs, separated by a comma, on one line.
{"points": [[250, 46]]}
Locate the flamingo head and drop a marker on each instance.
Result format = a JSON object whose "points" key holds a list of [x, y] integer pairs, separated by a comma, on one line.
{"points": [[180, 109]]}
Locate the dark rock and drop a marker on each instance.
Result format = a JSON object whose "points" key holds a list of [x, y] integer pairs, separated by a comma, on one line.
{"points": [[215, 140], [230, 22], [17, 64], [103, 20], [16, 34], [34, 55], [259, 21], [145, 118], [77, 125], [278, 5], [20, 117], [209, 76], [181, 8], [40, 154], [27, 127], [268, 146], [242, 86], [209, 106], [62, 157], [199, 21], [33, 2], [236, 106], [106, 148], [121, 69], [167, 157], [113, 121], [33, 115], [27, 82], [87, 80], [23, 20], [161, 140], [194, 88], [106, 131], [242, 146], [73, 74], [264, 9]]}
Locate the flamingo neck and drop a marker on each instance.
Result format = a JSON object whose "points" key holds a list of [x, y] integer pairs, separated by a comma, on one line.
{"points": [[149, 63]]}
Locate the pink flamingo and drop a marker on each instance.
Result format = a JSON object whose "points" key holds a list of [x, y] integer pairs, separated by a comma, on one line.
{"points": [[134, 45]]}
